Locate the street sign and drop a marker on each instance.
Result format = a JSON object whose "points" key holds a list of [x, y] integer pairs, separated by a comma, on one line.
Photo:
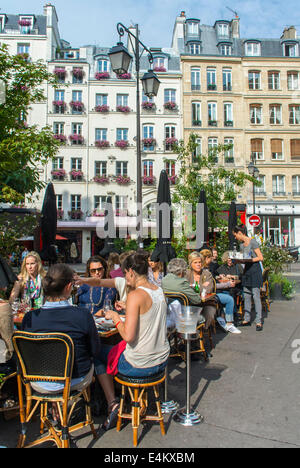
{"points": [[254, 220]]}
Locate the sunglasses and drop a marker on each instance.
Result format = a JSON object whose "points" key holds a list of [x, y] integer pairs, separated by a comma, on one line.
{"points": [[94, 270]]}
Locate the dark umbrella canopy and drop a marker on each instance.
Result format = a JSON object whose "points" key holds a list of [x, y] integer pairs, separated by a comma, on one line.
{"points": [[232, 222], [7, 276], [163, 251], [109, 228], [49, 225], [204, 221]]}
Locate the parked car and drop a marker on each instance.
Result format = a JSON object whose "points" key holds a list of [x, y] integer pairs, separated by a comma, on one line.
{"points": [[294, 252]]}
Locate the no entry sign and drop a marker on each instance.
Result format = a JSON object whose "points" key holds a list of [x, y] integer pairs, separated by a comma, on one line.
{"points": [[254, 220]]}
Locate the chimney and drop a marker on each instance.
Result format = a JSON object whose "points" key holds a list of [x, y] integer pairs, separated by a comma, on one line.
{"points": [[235, 27], [289, 33], [178, 32], [182, 14]]}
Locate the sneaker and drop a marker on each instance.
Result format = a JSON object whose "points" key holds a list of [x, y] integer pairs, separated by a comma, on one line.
{"points": [[222, 322], [232, 329]]}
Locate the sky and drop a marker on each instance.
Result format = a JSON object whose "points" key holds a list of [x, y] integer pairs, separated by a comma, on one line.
{"points": [[83, 22]]}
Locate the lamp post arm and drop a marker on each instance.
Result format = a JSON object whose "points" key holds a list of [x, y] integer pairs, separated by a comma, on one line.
{"points": [[122, 29]]}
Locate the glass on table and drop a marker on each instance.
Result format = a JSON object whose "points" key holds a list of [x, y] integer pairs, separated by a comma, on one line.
{"points": [[107, 305]]}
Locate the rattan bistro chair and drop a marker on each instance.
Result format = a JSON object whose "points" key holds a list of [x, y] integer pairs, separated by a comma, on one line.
{"points": [[48, 357]]}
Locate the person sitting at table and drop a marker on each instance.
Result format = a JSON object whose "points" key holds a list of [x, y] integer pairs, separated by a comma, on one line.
{"points": [[155, 272], [6, 333], [144, 329], [57, 315], [176, 281], [93, 297], [28, 288], [114, 269]]}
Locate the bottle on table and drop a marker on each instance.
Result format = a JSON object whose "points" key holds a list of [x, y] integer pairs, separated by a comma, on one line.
{"points": [[197, 288]]}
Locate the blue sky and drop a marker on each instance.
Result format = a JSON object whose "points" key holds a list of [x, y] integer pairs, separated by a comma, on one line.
{"points": [[94, 21]]}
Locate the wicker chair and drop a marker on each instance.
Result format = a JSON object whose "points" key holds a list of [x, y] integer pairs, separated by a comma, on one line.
{"points": [[48, 357], [265, 291]]}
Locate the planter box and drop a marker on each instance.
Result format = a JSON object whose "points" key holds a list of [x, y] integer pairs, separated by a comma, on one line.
{"points": [[276, 292]]}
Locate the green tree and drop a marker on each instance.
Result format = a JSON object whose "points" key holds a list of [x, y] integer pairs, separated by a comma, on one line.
{"points": [[23, 148]]}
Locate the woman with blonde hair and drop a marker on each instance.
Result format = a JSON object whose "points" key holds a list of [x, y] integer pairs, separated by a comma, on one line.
{"points": [[29, 285]]}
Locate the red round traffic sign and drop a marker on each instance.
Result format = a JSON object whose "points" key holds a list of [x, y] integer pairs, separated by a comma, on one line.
{"points": [[254, 220]]}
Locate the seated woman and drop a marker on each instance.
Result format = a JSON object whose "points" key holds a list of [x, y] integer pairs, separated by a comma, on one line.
{"points": [[144, 330], [176, 281], [28, 288], [114, 269], [57, 315], [223, 289], [93, 297], [155, 272]]}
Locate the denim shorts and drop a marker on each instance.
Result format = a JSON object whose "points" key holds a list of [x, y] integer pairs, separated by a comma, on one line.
{"points": [[127, 369], [100, 362]]}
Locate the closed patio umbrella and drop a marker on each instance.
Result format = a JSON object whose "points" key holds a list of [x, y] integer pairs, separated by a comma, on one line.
{"points": [[7, 276], [109, 228], [49, 225], [232, 222], [164, 251], [204, 222]]}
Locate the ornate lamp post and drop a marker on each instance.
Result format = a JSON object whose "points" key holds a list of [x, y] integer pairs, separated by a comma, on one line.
{"points": [[120, 60]]}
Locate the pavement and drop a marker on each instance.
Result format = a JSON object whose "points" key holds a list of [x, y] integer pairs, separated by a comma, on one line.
{"points": [[248, 393]]}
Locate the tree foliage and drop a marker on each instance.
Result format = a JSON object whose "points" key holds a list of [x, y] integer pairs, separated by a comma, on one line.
{"points": [[23, 149]]}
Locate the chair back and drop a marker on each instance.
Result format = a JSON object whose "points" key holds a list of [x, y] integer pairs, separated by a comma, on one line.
{"points": [[265, 274], [44, 356], [173, 296]]}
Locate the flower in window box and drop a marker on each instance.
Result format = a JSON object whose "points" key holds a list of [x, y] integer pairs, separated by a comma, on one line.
{"points": [[104, 108], [149, 141], [149, 180], [76, 174], [75, 137], [125, 76], [171, 141], [78, 73], [121, 212], [122, 144], [148, 105], [59, 104], [58, 173], [24, 22], [98, 213], [62, 138], [77, 105], [102, 76], [124, 109], [173, 179], [60, 214], [101, 179], [102, 143], [122, 180], [170, 105], [75, 214], [24, 56], [160, 68]]}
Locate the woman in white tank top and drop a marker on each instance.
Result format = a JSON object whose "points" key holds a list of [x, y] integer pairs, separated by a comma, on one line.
{"points": [[144, 329]]}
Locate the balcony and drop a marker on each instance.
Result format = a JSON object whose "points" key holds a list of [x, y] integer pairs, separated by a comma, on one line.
{"points": [[196, 123], [123, 144], [102, 109], [124, 109], [76, 175], [122, 180], [58, 174], [227, 87], [229, 160], [76, 139], [77, 107], [211, 87], [279, 194], [228, 123], [196, 87], [149, 144], [101, 179], [59, 107], [75, 214], [170, 106], [212, 123], [102, 144]]}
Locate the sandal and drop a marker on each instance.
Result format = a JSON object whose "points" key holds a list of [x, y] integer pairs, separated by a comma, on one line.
{"points": [[111, 420]]}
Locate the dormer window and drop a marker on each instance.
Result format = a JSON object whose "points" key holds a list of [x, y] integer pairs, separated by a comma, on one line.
{"points": [[195, 48], [103, 65], [2, 23], [25, 23], [193, 28], [290, 49], [225, 49], [223, 29], [252, 49], [160, 64]]}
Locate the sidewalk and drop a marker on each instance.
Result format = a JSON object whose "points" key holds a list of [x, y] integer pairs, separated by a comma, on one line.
{"points": [[248, 394]]}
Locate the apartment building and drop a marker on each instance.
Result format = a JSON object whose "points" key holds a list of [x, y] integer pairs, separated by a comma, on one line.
{"points": [[93, 114], [245, 92]]}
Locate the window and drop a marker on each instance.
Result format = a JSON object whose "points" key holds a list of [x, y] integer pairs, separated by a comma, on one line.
{"points": [[77, 96], [23, 48], [57, 163], [223, 29], [170, 95], [195, 48], [295, 150], [227, 80], [122, 134], [293, 81], [77, 75], [211, 79], [296, 184], [122, 168], [276, 149], [25, 23], [254, 79], [103, 65], [170, 168], [101, 134], [257, 151], [195, 79], [75, 202], [170, 132], [225, 49], [148, 168], [76, 128], [58, 128], [256, 114], [148, 134], [212, 113], [275, 114], [252, 49], [228, 114], [122, 100], [212, 148], [147, 98], [101, 100], [261, 190], [274, 80], [59, 95], [229, 153], [159, 62], [198, 151], [278, 182], [99, 202], [121, 203], [196, 114], [76, 164], [294, 114], [290, 50], [193, 28], [100, 168], [59, 202]]}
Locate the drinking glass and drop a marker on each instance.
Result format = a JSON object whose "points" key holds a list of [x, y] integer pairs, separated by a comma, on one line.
{"points": [[107, 305]]}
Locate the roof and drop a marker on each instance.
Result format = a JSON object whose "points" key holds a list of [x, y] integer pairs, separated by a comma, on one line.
{"points": [[12, 22]]}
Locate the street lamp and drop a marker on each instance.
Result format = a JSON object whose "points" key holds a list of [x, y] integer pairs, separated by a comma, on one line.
{"points": [[120, 60], [254, 172]]}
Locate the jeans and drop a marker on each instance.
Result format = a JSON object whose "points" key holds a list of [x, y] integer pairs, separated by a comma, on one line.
{"points": [[127, 369], [248, 293], [228, 301]]}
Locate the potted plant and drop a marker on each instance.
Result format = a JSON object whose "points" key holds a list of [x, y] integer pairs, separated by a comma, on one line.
{"points": [[77, 105], [281, 288], [170, 105], [149, 142], [62, 138], [101, 179], [170, 142], [102, 143], [24, 22], [173, 179], [160, 68], [124, 109], [276, 258], [149, 180], [78, 73], [75, 214], [58, 174], [76, 174], [75, 138], [102, 76], [122, 180], [147, 105], [122, 144], [124, 76], [104, 108], [98, 213]]}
